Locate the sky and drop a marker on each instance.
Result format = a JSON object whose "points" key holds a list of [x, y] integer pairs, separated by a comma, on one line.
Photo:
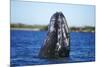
{"points": [[40, 13]]}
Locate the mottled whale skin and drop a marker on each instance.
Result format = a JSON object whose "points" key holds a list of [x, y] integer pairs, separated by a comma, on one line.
{"points": [[56, 44]]}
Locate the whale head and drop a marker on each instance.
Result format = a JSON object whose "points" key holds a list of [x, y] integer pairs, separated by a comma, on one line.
{"points": [[57, 42]]}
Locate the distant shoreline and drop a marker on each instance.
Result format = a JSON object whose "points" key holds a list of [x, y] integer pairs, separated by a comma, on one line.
{"points": [[45, 28]]}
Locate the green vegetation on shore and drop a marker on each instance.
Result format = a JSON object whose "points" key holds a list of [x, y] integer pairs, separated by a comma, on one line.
{"points": [[45, 27], [83, 29], [40, 27]]}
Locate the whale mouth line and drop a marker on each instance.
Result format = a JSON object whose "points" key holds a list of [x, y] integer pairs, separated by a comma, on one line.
{"points": [[56, 45]]}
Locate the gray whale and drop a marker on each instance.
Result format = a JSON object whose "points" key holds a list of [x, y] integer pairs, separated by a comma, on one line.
{"points": [[56, 45]]}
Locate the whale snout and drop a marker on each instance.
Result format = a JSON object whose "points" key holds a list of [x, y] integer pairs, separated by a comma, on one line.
{"points": [[56, 44]]}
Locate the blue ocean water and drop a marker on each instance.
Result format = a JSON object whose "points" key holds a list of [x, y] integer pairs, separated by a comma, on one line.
{"points": [[25, 46]]}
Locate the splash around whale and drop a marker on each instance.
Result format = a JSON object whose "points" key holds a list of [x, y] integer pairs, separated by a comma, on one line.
{"points": [[57, 43]]}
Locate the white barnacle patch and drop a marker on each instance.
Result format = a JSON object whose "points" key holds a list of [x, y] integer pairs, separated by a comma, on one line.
{"points": [[53, 19], [65, 38], [51, 28], [52, 25], [59, 36], [59, 33], [58, 46], [64, 34]]}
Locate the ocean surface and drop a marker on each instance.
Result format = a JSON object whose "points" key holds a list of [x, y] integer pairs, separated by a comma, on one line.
{"points": [[25, 46]]}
